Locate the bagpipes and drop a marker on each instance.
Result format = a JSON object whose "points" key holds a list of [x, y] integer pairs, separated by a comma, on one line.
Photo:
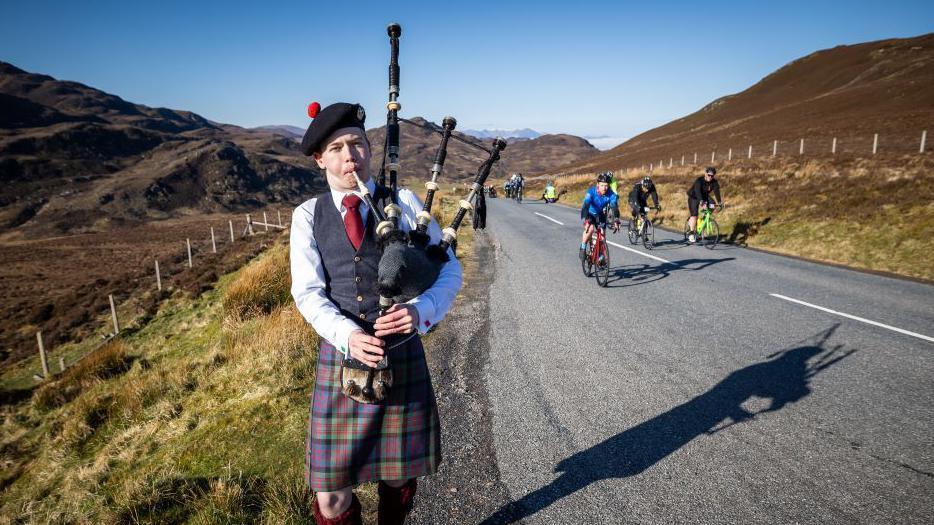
{"points": [[409, 264]]}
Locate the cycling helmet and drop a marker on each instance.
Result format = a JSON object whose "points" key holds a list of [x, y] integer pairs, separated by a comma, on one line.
{"points": [[711, 171], [606, 176], [646, 182]]}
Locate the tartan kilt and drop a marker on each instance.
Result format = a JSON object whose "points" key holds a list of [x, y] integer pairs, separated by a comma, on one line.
{"points": [[350, 443]]}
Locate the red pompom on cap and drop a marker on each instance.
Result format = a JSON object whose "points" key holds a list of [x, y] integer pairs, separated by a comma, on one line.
{"points": [[313, 109]]}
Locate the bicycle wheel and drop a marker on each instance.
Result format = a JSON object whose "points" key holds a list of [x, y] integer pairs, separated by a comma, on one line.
{"points": [[632, 233], [603, 265], [711, 234], [586, 263], [648, 235]]}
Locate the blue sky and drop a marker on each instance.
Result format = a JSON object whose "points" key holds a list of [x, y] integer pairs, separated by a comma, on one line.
{"points": [[587, 68]]}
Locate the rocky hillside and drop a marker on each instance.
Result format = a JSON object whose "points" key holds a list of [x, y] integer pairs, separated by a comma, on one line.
{"points": [[73, 158]]}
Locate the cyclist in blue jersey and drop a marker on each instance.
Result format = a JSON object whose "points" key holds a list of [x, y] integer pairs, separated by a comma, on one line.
{"points": [[598, 198]]}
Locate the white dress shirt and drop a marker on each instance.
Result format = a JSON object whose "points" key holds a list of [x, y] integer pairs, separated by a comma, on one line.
{"points": [[308, 287]]}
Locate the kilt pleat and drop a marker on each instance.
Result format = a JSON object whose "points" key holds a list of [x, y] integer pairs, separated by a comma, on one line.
{"points": [[350, 443]]}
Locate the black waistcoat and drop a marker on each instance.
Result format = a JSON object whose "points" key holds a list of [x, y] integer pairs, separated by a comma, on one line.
{"points": [[350, 275]]}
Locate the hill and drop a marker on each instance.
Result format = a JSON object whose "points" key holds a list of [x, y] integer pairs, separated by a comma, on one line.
{"points": [[849, 92], [74, 158]]}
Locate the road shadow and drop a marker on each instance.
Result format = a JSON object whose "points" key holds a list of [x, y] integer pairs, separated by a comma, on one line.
{"points": [[782, 378], [636, 274]]}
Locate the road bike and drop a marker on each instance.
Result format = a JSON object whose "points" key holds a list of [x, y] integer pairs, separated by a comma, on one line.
{"points": [[707, 233], [642, 229], [595, 258], [518, 194]]}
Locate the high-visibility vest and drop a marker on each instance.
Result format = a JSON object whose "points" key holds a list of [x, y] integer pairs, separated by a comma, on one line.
{"points": [[549, 192]]}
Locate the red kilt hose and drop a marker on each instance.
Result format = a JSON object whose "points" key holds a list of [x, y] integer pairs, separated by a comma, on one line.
{"points": [[350, 442]]}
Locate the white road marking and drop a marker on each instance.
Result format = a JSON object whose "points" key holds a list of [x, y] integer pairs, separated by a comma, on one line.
{"points": [[659, 259], [549, 218], [855, 318]]}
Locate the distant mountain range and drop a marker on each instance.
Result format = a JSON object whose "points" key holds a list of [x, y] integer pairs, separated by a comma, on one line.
{"points": [[524, 133], [285, 130]]}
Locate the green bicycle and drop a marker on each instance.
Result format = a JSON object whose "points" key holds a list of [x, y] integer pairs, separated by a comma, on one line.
{"points": [[708, 231]]}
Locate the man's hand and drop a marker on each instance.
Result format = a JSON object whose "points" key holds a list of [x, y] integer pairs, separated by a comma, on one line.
{"points": [[366, 348], [399, 319]]}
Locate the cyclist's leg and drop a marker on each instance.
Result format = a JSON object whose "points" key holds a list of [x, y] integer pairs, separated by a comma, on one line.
{"points": [[588, 231], [693, 205]]}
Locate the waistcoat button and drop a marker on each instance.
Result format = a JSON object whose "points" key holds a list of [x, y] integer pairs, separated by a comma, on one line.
{"points": [[359, 298], [358, 279], [362, 316], [356, 258]]}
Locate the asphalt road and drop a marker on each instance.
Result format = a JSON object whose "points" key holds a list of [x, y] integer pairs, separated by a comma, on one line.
{"points": [[687, 392]]}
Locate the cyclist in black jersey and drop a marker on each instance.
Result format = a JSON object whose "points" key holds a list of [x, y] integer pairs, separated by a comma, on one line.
{"points": [[701, 192], [639, 197]]}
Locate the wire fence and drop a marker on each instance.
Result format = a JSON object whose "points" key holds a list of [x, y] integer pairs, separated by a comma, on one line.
{"points": [[214, 240], [844, 146]]}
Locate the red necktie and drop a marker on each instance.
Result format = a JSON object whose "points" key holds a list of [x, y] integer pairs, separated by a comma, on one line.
{"points": [[353, 223]]}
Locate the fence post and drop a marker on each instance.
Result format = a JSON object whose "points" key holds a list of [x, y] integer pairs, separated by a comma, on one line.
{"points": [[249, 224], [801, 148], [44, 358], [113, 314], [231, 230], [713, 156], [188, 242], [695, 157], [682, 160], [670, 161], [833, 146], [774, 148], [265, 222], [875, 143], [213, 244], [280, 217], [158, 277], [729, 156], [61, 364], [924, 139], [749, 155]]}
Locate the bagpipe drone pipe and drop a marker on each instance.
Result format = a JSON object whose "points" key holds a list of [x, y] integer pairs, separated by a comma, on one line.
{"points": [[410, 264]]}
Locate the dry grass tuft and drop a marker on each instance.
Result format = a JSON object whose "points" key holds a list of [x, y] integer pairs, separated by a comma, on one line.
{"points": [[107, 362], [260, 287]]}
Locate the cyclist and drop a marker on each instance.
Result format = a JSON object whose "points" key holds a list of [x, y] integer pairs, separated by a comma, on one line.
{"points": [[700, 193], [518, 183], [613, 182], [550, 194], [639, 197], [597, 198]]}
